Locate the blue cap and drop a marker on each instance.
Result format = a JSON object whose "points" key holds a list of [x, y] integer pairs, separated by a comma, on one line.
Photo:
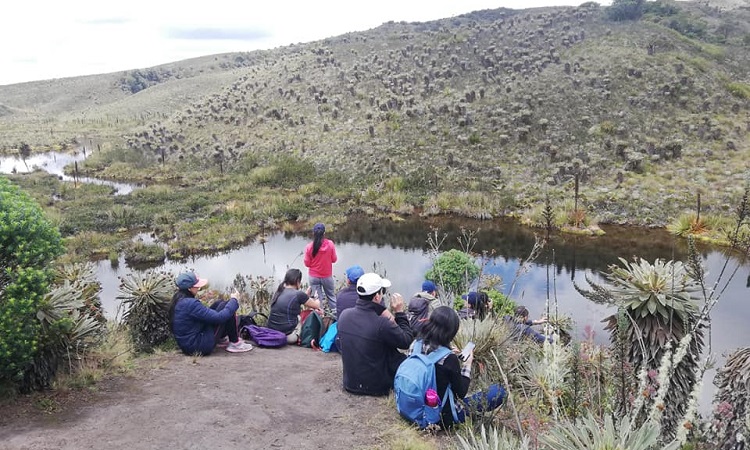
{"points": [[319, 228], [353, 273], [428, 286], [471, 297], [187, 280]]}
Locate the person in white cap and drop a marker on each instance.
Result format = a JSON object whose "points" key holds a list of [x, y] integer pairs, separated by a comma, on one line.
{"points": [[369, 337]]}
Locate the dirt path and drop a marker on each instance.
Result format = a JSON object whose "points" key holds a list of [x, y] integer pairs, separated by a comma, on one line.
{"points": [[288, 398]]}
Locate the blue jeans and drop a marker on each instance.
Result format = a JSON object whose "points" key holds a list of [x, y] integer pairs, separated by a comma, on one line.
{"points": [[482, 401], [323, 288]]}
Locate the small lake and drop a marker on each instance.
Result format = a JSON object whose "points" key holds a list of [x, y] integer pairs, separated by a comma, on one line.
{"points": [[54, 163], [400, 251]]}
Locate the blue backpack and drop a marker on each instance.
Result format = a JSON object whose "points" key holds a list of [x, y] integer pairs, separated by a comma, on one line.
{"points": [[413, 378]]}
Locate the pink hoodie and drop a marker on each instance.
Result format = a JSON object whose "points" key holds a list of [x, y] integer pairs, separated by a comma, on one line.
{"points": [[322, 265]]}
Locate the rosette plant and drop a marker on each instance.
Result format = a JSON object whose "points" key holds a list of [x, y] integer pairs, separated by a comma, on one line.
{"points": [[145, 298], [657, 308]]}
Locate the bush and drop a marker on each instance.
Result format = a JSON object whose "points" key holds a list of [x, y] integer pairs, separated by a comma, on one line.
{"points": [[453, 271], [625, 10], [29, 243]]}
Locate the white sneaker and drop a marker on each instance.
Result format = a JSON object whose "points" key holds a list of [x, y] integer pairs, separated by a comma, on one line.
{"points": [[239, 347]]}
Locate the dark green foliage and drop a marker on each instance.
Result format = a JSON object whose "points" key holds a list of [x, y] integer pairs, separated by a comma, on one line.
{"points": [[625, 10], [145, 299], [454, 271], [29, 243]]}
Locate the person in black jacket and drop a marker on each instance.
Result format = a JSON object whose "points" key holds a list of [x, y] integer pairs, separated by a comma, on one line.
{"points": [[369, 337], [440, 330], [198, 328], [347, 297]]}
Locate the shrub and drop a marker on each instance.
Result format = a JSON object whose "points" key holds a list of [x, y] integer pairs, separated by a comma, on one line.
{"points": [[739, 90], [29, 243], [625, 10], [145, 298], [453, 271]]}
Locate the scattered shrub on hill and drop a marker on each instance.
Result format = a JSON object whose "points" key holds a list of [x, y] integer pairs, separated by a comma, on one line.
{"points": [[622, 10], [29, 243], [739, 90]]}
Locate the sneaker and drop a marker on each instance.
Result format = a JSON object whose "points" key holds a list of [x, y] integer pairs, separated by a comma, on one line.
{"points": [[239, 347], [223, 342]]}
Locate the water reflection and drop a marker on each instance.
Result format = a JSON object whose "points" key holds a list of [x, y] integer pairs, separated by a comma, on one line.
{"points": [[54, 163], [400, 250]]}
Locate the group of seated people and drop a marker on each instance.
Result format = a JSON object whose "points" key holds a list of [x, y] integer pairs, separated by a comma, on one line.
{"points": [[374, 338]]}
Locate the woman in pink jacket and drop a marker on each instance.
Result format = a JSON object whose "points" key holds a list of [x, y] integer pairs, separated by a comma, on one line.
{"points": [[320, 254]]}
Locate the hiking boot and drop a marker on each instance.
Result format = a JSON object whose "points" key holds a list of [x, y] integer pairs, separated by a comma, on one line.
{"points": [[239, 347]]}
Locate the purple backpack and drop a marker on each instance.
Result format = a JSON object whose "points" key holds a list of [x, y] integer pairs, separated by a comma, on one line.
{"points": [[265, 337]]}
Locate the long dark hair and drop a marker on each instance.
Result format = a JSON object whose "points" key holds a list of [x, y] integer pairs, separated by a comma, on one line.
{"points": [[481, 307], [292, 277], [179, 295], [441, 328], [317, 241]]}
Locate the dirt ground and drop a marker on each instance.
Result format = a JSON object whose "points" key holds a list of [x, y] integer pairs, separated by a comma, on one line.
{"points": [[289, 398]]}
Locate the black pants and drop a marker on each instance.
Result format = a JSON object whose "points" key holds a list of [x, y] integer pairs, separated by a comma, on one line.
{"points": [[228, 328]]}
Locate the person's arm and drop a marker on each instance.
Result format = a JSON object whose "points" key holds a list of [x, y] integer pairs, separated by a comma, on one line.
{"points": [[205, 314], [459, 377], [535, 335], [397, 332], [334, 257], [304, 299], [308, 255]]}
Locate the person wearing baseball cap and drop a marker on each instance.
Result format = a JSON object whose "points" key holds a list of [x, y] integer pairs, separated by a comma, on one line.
{"points": [[369, 337], [347, 297], [197, 328], [419, 306]]}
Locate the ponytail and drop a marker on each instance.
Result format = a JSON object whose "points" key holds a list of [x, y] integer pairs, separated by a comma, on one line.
{"points": [[317, 242]]}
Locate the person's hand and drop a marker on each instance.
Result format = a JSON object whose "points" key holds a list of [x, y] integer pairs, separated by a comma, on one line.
{"points": [[387, 314], [455, 349], [470, 358], [397, 303], [235, 294]]}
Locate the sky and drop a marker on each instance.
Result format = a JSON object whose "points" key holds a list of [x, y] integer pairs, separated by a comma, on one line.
{"points": [[44, 39]]}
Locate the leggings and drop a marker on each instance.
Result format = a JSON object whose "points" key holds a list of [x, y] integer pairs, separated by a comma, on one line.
{"points": [[228, 328]]}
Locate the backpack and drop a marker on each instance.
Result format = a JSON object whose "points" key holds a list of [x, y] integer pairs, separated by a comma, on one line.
{"points": [[328, 341], [413, 378], [311, 330], [265, 337], [251, 319]]}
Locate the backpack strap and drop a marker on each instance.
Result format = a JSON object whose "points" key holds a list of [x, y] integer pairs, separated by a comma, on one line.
{"points": [[436, 355]]}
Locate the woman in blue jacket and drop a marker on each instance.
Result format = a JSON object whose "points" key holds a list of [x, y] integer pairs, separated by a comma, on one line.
{"points": [[198, 328]]}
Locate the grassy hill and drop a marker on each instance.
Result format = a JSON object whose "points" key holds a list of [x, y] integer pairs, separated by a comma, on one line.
{"points": [[483, 114]]}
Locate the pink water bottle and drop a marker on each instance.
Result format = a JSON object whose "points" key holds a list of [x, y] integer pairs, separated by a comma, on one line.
{"points": [[431, 398]]}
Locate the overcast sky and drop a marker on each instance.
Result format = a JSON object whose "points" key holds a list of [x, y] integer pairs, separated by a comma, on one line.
{"points": [[42, 39]]}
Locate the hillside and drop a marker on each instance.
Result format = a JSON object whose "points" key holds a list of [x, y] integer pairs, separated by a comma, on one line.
{"points": [[497, 107]]}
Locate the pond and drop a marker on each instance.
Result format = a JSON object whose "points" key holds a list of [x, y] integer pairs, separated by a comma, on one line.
{"points": [[54, 163], [400, 251]]}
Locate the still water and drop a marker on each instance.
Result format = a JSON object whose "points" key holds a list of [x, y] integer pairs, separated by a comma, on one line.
{"points": [[400, 252], [54, 163]]}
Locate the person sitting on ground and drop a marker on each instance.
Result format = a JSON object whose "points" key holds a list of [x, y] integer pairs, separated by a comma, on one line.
{"points": [[521, 325], [439, 330], [477, 306], [347, 297], [197, 328], [286, 305], [320, 254], [369, 337], [419, 306]]}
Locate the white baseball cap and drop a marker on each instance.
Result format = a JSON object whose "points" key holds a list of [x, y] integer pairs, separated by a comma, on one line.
{"points": [[371, 283]]}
